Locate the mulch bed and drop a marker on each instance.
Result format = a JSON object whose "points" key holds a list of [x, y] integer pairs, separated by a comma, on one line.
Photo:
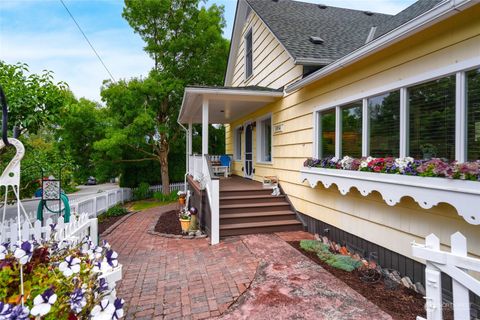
{"points": [[107, 223], [401, 303], [168, 223]]}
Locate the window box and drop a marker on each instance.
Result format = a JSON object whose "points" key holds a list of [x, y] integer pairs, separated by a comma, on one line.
{"points": [[463, 195]]}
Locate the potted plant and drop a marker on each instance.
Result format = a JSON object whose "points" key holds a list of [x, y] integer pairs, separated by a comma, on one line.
{"points": [[181, 197], [429, 151], [185, 220]]}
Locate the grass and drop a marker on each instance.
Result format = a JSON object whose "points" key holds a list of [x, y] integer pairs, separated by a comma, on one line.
{"points": [[147, 204]]}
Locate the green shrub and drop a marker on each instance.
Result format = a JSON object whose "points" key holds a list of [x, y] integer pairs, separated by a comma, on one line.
{"points": [[313, 246], [142, 192], [165, 197], [115, 211], [342, 262]]}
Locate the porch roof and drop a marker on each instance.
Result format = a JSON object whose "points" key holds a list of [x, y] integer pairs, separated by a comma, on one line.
{"points": [[225, 104]]}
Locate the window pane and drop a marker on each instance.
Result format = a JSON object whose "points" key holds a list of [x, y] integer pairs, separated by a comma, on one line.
{"points": [[384, 113], [327, 134], [267, 139], [352, 130], [473, 115], [248, 55], [432, 119]]}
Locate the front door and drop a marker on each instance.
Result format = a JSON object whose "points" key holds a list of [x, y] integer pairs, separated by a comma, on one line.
{"points": [[248, 151]]}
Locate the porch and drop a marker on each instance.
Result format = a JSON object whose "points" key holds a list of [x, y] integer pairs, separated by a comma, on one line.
{"points": [[222, 105]]}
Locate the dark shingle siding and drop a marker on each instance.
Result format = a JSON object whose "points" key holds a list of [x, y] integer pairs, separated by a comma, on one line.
{"points": [[293, 22]]}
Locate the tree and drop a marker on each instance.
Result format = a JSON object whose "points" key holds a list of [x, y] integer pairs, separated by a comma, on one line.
{"points": [[187, 47], [81, 124], [34, 100]]}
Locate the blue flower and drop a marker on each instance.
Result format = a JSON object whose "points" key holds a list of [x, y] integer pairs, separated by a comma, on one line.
{"points": [[118, 304], [24, 253], [77, 300], [102, 285], [43, 303], [5, 310], [111, 257], [19, 313]]}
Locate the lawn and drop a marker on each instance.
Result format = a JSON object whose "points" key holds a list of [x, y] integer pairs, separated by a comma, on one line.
{"points": [[146, 204]]}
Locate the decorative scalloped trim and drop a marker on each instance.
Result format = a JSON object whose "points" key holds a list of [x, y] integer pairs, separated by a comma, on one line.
{"points": [[464, 196]]}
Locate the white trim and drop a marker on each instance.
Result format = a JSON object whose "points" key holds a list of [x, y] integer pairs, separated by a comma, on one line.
{"points": [[365, 128], [236, 142], [237, 29], [427, 192], [317, 140], [371, 34], [404, 123], [407, 82], [247, 78], [259, 143], [460, 117], [436, 14], [338, 132], [237, 92]]}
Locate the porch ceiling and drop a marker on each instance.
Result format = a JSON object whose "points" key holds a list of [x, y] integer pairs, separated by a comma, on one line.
{"points": [[226, 104]]}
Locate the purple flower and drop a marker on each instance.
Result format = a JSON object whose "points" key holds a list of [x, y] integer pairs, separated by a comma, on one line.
{"points": [[118, 304], [52, 226], [5, 310], [111, 257], [102, 285], [24, 253], [43, 302], [77, 300], [19, 313]]}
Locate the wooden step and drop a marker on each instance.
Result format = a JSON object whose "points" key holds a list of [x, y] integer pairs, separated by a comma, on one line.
{"points": [[260, 227], [254, 207], [245, 192], [251, 199], [233, 218]]}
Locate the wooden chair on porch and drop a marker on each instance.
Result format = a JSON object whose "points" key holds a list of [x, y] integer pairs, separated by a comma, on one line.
{"points": [[221, 165]]}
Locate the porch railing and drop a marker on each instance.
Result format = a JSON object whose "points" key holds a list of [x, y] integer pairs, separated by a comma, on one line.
{"points": [[212, 185], [195, 167]]}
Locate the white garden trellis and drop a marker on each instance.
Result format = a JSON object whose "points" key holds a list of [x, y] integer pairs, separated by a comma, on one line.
{"points": [[455, 264]]}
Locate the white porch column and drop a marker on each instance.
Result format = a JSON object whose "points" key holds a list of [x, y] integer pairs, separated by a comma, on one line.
{"points": [[204, 132], [189, 146]]}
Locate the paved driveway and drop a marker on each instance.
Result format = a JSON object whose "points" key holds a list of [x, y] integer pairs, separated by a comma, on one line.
{"points": [[247, 277]]}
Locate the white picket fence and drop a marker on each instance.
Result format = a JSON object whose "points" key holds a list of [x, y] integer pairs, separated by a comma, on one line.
{"points": [[78, 227], [176, 186], [456, 264]]}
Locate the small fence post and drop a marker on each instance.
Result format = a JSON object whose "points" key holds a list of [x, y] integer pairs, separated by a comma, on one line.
{"points": [[433, 284], [94, 230], [461, 297]]}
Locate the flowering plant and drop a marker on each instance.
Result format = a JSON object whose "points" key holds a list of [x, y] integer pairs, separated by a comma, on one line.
{"points": [[61, 280], [406, 166]]}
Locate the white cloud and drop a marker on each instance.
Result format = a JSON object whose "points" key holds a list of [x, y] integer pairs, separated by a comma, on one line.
{"points": [[67, 54]]}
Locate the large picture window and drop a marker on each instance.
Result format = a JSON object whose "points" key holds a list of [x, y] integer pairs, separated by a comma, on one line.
{"points": [[327, 133], [265, 140], [431, 108], [473, 114], [352, 130], [248, 54], [237, 144], [384, 125]]}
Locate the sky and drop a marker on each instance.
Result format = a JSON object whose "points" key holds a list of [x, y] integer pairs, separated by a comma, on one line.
{"points": [[42, 34]]}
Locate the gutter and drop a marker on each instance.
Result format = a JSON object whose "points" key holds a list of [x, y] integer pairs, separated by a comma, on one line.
{"points": [[436, 14]]}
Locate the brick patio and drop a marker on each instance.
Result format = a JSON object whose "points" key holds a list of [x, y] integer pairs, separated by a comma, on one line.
{"points": [[167, 278]]}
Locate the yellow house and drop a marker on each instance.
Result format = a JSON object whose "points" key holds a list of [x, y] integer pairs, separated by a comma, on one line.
{"points": [[313, 81]]}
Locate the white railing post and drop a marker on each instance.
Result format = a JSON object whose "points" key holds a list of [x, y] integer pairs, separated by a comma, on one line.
{"points": [[215, 206], [94, 230], [461, 297], [433, 284]]}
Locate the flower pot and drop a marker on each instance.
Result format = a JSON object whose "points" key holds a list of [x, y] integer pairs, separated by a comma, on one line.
{"points": [[181, 201], [185, 223]]}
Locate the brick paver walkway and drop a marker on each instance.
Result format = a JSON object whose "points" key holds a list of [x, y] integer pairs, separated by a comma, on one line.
{"points": [[189, 279], [177, 279]]}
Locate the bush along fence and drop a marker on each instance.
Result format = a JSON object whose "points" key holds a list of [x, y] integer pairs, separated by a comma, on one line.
{"points": [[144, 190]]}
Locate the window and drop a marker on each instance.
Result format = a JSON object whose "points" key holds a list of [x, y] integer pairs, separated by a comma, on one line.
{"points": [[431, 108], [384, 125], [327, 134], [265, 140], [238, 144], [248, 54], [473, 115], [352, 130]]}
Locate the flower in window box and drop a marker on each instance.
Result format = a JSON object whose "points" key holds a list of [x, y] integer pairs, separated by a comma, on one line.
{"points": [[69, 266], [24, 252], [77, 300]]}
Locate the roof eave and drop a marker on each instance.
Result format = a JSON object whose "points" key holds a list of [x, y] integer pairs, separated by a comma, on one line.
{"points": [[435, 15]]}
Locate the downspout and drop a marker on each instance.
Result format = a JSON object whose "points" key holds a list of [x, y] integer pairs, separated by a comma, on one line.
{"points": [[187, 158]]}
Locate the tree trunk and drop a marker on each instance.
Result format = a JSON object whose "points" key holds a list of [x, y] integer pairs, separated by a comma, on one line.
{"points": [[164, 169]]}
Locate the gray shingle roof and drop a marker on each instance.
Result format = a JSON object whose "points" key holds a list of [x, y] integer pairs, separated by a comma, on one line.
{"points": [[293, 23], [406, 15]]}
